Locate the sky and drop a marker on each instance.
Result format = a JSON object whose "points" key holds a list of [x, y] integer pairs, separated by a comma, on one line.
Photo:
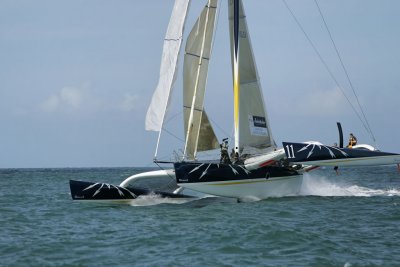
{"points": [[76, 77]]}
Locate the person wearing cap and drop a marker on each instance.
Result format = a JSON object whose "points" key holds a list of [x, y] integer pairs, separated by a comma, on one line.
{"points": [[352, 141], [224, 151]]}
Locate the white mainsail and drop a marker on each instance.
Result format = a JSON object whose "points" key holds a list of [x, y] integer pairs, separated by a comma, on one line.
{"points": [[252, 130], [200, 135], [169, 65]]}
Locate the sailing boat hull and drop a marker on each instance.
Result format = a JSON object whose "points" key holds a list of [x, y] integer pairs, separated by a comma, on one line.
{"points": [[322, 155], [81, 190], [235, 181]]}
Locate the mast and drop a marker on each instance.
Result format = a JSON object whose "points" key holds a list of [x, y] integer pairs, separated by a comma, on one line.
{"points": [[236, 78]]}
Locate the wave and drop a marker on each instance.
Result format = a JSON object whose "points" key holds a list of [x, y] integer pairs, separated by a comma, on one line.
{"points": [[321, 186], [153, 199]]}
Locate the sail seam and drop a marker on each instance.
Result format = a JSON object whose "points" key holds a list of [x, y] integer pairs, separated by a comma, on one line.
{"points": [[195, 109], [248, 82], [194, 55]]}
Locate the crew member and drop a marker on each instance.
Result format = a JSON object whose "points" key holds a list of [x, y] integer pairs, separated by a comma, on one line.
{"points": [[232, 155], [352, 141], [224, 151], [336, 168]]}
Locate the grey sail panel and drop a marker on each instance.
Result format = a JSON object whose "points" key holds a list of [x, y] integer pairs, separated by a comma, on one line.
{"points": [[199, 137], [252, 129], [207, 138]]}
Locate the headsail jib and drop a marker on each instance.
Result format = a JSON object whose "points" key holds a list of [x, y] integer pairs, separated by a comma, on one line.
{"points": [[168, 70], [199, 134], [169, 66]]}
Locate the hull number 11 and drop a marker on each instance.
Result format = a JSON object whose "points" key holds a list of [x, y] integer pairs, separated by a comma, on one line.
{"points": [[290, 152]]}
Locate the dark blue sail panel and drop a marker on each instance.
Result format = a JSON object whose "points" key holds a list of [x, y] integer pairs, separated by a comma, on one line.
{"points": [[236, 27], [311, 152]]}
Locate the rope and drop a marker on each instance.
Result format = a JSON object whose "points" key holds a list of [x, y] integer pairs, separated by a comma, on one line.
{"points": [[345, 71], [171, 184], [325, 65]]}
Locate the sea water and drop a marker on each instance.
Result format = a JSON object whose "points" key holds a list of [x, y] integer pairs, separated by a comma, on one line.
{"points": [[348, 220]]}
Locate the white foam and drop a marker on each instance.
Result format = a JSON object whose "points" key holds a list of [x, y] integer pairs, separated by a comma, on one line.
{"points": [[153, 199], [314, 185]]}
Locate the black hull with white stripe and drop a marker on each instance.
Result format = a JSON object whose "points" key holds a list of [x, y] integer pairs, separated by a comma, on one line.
{"points": [[231, 180], [318, 154], [81, 190]]}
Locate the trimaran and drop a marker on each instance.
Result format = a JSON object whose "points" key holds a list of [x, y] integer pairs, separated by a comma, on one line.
{"points": [[259, 169]]}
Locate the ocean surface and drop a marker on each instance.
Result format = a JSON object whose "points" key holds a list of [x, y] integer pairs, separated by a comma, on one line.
{"points": [[348, 220]]}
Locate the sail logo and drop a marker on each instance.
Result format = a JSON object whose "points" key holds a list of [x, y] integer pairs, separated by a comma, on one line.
{"points": [[259, 121], [258, 125]]}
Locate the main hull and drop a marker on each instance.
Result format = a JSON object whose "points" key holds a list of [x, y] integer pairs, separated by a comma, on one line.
{"points": [[235, 181]]}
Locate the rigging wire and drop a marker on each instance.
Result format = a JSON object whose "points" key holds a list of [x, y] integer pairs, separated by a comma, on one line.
{"points": [[168, 132], [173, 116], [219, 7], [221, 129], [345, 71], [164, 129], [173, 135], [171, 185], [325, 64]]}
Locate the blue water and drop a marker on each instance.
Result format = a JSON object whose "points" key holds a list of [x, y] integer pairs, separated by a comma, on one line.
{"points": [[347, 220]]}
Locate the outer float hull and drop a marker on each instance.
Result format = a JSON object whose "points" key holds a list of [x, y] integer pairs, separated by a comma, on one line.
{"points": [[81, 190], [322, 155]]}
